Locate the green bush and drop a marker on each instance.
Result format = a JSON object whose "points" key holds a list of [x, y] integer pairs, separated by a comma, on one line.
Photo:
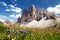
{"points": [[2, 28]]}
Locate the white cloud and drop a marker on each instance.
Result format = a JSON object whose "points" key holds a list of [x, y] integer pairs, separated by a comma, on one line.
{"points": [[16, 9], [2, 20], [7, 10], [15, 16], [55, 9], [3, 3], [18, 15], [15, 4], [12, 15], [12, 21], [2, 16], [15, 0], [12, 6]]}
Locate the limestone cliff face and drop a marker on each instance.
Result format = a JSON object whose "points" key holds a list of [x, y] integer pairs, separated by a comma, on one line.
{"points": [[35, 14]]}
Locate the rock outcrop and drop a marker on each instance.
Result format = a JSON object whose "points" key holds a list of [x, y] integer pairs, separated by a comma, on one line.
{"points": [[37, 18], [42, 23], [34, 14]]}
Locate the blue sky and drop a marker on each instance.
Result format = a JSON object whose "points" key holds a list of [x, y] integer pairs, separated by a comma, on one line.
{"points": [[12, 9]]}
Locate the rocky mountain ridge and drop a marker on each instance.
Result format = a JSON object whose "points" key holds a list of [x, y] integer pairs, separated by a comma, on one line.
{"points": [[37, 18]]}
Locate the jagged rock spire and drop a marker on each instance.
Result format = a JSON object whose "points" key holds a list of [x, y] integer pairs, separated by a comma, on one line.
{"points": [[32, 7], [19, 20], [34, 14]]}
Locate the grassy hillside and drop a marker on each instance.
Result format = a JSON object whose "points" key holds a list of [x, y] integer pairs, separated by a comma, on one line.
{"points": [[20, 33]]}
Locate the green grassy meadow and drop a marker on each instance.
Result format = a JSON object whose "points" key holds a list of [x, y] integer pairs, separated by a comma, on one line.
{"points": [[28, 33]]}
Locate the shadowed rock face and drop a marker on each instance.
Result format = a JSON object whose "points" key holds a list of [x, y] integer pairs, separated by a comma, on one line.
{"points": [[19, 20], [50, 17], [34, 14], [38, 18], [43, 13]]}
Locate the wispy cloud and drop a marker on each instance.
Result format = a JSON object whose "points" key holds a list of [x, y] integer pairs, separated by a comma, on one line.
{"points": [[15, 16], [13, 9], [55, 9], [2, 20], [2, 16], [3, 3], [12, 6], [7, 10], [15, 0], [18, 15], [16, 9]]}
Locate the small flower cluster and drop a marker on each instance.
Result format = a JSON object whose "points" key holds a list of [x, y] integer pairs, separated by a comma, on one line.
{"points": [[24, 32], [16, 31]]}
